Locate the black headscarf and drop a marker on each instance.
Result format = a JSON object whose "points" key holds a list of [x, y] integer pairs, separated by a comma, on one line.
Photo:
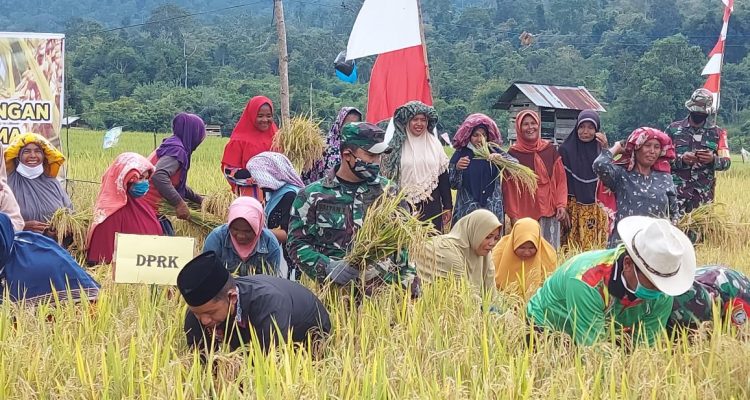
{"points": [[578, 158]]}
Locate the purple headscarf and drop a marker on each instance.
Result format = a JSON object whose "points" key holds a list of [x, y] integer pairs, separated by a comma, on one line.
{"points": [[332, 154], [188, 131], [463, 134]]}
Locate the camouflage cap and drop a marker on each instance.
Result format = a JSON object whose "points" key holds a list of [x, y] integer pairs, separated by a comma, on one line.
{"points": [[701, 101], [365, 136]]}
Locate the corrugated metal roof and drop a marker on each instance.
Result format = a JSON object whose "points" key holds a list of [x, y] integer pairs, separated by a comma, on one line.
{"points": [[551, 96]]}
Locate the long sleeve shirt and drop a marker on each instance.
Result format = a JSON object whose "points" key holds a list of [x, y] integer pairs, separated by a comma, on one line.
{"points": [[585, 294], [650, 195], [696, 183], [265, 258], [164, 169]]}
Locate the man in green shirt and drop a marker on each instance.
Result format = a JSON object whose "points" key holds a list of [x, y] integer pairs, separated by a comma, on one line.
{"points": [[632, 285]]}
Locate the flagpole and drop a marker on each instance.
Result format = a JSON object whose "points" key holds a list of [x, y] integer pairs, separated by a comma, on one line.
{"points": [[424, 45]]}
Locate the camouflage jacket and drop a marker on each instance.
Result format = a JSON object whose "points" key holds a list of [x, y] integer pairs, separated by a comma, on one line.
{"points": [[695, 183], [325, 217]]}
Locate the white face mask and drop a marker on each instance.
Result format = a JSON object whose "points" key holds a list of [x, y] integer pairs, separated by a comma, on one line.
{"points": [[30, 172]]}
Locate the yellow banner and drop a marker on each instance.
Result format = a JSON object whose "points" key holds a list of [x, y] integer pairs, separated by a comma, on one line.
{"points": [[151, 259], [32, 71]]}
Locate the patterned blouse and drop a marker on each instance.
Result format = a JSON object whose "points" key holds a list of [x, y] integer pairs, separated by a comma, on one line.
{"points": [[652, 195]]}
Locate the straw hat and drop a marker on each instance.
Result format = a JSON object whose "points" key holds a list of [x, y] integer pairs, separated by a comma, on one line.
{"points": [[661, 251]]}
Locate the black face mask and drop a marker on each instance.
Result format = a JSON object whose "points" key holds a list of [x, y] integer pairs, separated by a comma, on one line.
{"points": [[698, 118]]}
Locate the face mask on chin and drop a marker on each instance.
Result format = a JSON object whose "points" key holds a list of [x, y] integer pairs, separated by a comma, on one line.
{"points": [[641, 291], [30, 172]]}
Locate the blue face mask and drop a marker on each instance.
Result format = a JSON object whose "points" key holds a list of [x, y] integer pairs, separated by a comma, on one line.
{"points": [[643, 292], [139, 189]]}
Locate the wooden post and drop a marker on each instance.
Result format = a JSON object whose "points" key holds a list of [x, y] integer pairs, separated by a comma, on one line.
{"points": [[424, 46], [283, 61]]}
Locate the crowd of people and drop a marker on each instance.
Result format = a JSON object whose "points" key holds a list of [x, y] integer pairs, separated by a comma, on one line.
{"points": [[615, 205]]}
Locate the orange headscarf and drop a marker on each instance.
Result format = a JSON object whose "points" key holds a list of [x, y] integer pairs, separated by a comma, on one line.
{"points": [[525, 145]]}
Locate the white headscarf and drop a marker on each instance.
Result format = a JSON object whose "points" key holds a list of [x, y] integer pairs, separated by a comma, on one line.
{"points": [[423, 160]]}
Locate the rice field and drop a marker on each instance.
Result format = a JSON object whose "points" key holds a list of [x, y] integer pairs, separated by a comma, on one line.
{"points": [[445, 345]]}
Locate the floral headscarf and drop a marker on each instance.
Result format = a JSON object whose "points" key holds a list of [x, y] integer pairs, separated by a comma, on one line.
{"points": [[463, 134]]}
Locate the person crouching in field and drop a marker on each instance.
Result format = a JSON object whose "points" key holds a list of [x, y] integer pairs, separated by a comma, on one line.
{"points": [[715, 286], [280, 182], [120, 207], [33, 163], [523, 258], [464, 252], [36, 270], [327, 214], [630, 286], [172, 162], [244, 246], [223, 309]]}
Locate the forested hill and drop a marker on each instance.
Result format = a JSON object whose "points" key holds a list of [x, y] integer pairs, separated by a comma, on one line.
{"points": [[642, 58]]}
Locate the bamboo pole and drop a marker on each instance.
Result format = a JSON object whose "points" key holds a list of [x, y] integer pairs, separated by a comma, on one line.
{"points": [[283, 61], [424, 45]]}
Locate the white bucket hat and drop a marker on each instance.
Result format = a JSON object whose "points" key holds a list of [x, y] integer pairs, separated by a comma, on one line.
{"points": [[661, 251]]}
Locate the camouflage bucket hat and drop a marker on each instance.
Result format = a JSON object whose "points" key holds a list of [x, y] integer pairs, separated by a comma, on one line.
{"points": [[365, 136], [701, 101]]}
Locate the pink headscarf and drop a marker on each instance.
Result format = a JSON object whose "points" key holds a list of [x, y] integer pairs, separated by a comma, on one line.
{"points": [[249, 209], [463, 134]]}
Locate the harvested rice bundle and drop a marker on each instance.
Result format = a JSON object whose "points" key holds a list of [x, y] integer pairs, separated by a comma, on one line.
{"points": [[522, 174], [709, 222], [217, 203], [388, 229], [302, 141], [204, 221], [71, 225]]}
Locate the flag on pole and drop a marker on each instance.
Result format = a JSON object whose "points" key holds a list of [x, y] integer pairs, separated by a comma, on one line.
{"points": [[716, 58], [112, 137], [391, 29]]}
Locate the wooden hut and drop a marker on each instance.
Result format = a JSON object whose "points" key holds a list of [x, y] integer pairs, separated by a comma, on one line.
{"points": [[557, 106]]}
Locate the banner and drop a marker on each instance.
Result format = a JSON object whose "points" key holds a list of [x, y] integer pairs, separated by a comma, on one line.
{"points": [[31, 85], [151, 259]]}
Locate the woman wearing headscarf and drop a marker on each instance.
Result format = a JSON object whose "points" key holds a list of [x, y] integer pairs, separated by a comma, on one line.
{"points": [[244, 245], [171, 164], [418, 163], [252, 135], [464, 252], [332, 154], [588, 222], [121, 207], [523, 258], [36, 270], [33, 163], [640, 182], [547, 205], [275, 175], [476, 181], [8, 204]]}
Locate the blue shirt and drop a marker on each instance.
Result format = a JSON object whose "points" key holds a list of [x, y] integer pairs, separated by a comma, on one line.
{"points": [[265, 259]]}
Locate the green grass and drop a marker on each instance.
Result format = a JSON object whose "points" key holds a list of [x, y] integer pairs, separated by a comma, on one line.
{"points": [[130, 343]]}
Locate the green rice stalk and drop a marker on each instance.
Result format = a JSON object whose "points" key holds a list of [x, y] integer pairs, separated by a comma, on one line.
{"points": [[302, 141], [388, 229], [522, 174], [205, 222]]}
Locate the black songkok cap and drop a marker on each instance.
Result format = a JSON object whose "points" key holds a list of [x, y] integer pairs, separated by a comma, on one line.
{"points": [[202, 279]]}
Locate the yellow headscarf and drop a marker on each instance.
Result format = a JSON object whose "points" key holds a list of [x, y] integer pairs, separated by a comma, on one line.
{"points": [[53, 158], [510, 270], [454, 253]]}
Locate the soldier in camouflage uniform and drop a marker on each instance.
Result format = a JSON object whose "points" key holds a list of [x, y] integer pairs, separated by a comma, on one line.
{"points": [[714, 286], [701, 150], [327, 214]]}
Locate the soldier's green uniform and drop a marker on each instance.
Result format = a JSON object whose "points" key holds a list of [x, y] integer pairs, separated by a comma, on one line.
{"points": [[327, 214], [695, 183]]}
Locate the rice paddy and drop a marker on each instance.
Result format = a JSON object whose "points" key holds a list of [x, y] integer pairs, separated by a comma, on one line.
{"points": [[444, 346]]}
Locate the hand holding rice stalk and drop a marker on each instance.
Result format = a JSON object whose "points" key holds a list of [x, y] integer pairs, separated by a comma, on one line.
{"points": [[202, 220], [301, 141], [522, 174], [72, 224], [388, 229]]}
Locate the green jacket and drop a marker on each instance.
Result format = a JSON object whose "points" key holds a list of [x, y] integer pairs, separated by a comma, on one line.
{"points": [[576, 299]]}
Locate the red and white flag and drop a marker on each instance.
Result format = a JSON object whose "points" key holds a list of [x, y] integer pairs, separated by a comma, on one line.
{"points": [[716, 57], [390, 29]]}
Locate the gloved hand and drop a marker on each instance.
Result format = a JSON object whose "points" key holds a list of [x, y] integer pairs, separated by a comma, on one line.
{"points": [[340, 272]]}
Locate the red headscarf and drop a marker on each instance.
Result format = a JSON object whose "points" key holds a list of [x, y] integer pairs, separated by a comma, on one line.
{"points": [[524, 145], [247, 141], [604, 196]]}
